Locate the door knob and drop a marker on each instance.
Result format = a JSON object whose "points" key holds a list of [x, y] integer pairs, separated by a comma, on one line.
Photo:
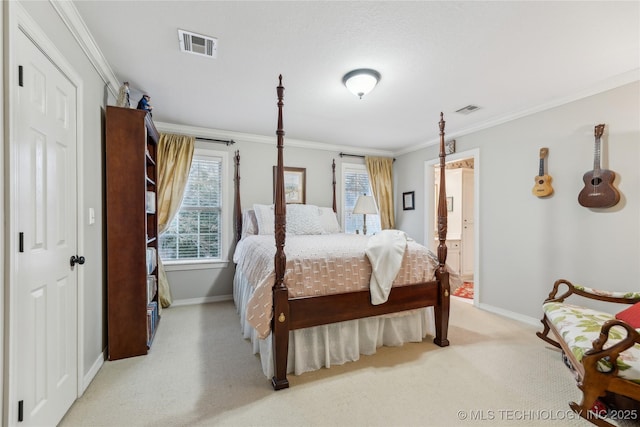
{"points": [[76, 260]]}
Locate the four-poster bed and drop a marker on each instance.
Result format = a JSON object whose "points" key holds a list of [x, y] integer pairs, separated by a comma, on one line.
{"points": [[422, 281]]}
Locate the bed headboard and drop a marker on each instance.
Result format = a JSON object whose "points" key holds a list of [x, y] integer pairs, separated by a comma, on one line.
{"points": [[333, 171], [238, 206]]}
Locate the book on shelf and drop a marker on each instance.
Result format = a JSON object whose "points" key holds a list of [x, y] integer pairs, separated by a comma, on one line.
{"points": [[152, 321], [151, 202], [152, 287], [152, 260]]}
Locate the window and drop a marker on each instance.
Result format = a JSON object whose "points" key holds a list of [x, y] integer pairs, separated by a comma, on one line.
{"points": [[195, 234], [355, 182]]}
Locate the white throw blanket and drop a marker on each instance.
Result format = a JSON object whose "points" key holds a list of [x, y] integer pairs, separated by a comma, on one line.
{"points": [[385, 251]]}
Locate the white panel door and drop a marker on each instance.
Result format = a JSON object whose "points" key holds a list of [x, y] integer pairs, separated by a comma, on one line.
{"points": [[46, 196]]}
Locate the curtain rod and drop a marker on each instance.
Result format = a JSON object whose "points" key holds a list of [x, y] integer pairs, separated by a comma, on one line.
{"points": [[351, 155], [219, 141], [356, 155]]}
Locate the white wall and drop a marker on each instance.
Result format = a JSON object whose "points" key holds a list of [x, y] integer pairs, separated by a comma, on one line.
{"points": [[526, 243]]}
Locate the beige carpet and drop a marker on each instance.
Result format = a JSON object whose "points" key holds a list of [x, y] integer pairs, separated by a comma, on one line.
{"points": [[201, 372]]}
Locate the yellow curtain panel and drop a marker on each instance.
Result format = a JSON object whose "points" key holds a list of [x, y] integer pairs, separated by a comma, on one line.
{"points": [[380, 171], [175, 153]]}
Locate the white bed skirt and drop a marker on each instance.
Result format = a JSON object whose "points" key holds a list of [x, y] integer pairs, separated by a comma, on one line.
{"points": [[322, 346]]}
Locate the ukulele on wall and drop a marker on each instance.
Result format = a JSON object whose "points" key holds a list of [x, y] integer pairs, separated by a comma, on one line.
{"points": [[542, 188], [598, 191]]}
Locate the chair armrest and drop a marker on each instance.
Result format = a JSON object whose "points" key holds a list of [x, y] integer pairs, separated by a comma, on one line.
{"points": [[609, 356], [591, 293]]}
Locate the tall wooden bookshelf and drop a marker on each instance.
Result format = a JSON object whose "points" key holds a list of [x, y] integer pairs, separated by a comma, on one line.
{"points": [[132, 228]]}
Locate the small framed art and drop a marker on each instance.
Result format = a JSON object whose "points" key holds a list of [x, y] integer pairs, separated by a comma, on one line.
{"points": [[295, 181], [408, 201], [450, 147]]}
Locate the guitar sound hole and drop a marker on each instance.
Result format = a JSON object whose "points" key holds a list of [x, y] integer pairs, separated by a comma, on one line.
{"points": [[541, 182], [596, 181]]}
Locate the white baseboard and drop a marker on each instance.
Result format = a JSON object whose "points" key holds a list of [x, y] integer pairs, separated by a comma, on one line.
{"points": [[202, 300], [511, 315], [95, 367]]}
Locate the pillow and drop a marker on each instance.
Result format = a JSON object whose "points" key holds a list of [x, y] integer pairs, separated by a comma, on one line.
{"points": [[631, 315], [329, 221], [265, 218], [249, 223], [303, 219]]}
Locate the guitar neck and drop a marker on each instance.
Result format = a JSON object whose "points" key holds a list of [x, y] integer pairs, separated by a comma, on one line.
{"points": [[596, 157], [541, 170], [597, 131]]}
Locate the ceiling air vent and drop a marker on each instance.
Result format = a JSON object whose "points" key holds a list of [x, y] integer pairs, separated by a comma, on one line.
{"points": [[198, 44], [468, 109]]}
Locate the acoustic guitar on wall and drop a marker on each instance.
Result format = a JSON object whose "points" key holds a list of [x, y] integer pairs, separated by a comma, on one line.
{"points": [[598, 191], [542, 188]]}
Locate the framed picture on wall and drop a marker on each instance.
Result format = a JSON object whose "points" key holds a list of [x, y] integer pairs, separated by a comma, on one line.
{"points": [[295, 182], [408, 201]]}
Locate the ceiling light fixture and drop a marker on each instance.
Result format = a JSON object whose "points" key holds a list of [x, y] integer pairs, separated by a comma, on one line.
{"points": [[361, 81]]}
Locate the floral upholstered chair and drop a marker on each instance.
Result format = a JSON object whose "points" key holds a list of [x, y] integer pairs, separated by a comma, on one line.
{"points": [[602, 349]]}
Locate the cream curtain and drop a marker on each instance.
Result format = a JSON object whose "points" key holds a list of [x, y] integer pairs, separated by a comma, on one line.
{"points": [[380, 171], [175, 153]]}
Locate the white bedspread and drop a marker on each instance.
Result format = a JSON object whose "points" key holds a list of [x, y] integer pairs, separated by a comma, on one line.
{"points": [[385, 251], [319, 265]]}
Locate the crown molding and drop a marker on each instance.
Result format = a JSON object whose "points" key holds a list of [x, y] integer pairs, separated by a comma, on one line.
{"points": [[261, 139], [602, 86], [72, 19]]}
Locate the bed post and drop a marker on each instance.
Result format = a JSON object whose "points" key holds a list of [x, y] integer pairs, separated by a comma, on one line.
{"points": [[333, 168], [442, 309], [280, 320], [237, 207]]}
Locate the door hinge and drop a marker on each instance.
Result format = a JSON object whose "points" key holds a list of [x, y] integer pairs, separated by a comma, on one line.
{"points": [[20, 75], [20, 409]]}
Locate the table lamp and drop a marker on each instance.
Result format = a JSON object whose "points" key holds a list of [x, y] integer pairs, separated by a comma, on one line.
{"points": [[365, 205]]}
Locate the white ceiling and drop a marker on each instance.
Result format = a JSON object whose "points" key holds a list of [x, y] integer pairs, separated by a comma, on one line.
{"points": [[508, 58]]}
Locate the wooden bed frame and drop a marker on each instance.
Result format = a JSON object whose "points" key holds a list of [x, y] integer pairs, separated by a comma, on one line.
{"points": [[303, 312]]}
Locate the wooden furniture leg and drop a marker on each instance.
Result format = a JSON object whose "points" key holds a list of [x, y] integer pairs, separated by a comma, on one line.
{"points": [[280, 338], [441, 311]]}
